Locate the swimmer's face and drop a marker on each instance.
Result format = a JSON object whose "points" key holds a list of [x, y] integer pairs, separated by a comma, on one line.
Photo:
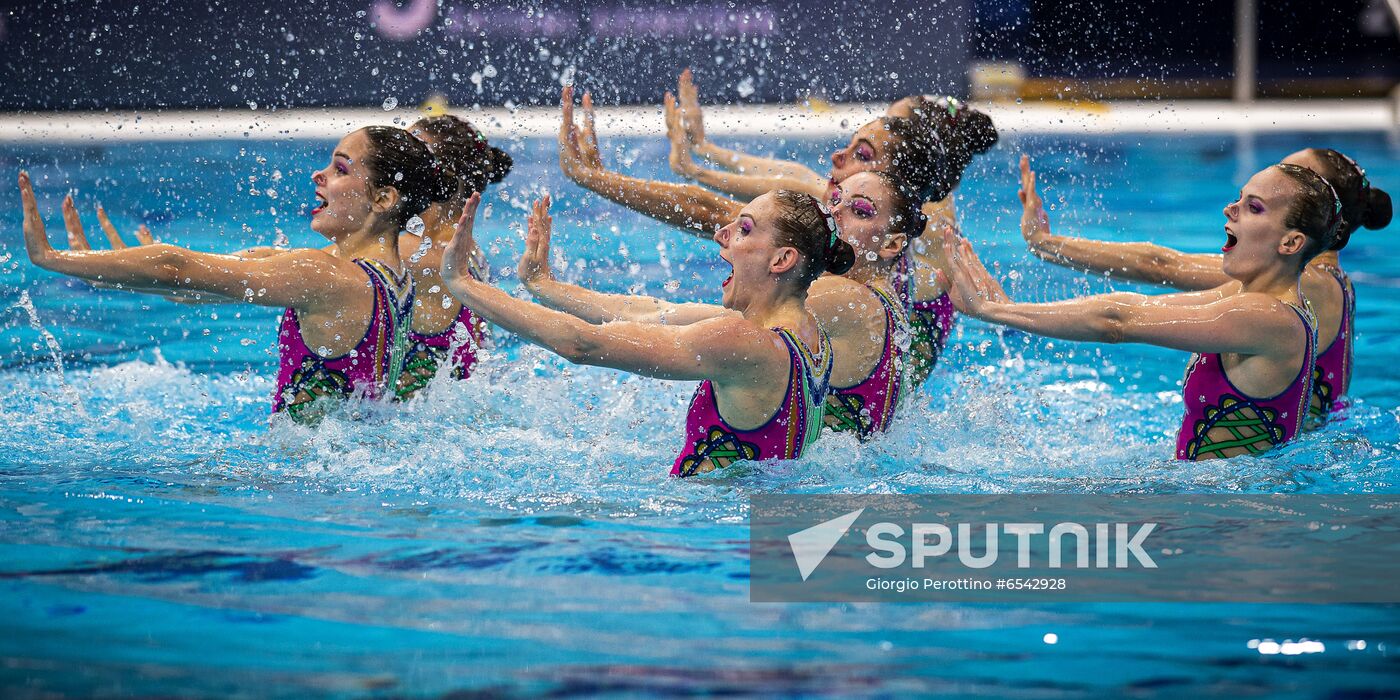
{"points": [[860, 205], [1255, 234], [343, 189], [747, 244], [869, 149]]}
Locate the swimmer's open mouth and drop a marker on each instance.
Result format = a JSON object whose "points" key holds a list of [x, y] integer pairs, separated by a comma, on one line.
{"points": [[727, 280], [320, 205], [1230, 241]]}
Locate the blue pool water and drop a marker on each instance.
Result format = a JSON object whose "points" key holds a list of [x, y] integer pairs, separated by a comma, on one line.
{"points": [[517, 533]]}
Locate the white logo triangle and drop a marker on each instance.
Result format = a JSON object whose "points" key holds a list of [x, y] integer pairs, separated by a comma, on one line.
{"points": [[810, 546]]}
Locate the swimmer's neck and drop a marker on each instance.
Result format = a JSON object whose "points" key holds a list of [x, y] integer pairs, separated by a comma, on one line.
{"points": [[785, 311], [370, 244], [440, 224], [871, 272], [1280, 284]]}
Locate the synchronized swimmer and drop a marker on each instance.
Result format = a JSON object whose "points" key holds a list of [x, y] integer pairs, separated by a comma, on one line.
{"points": [[840, 300]]}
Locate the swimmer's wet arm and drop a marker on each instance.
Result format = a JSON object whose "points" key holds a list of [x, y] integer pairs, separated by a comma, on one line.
{"points": [[1207, 321], [598, 307], [685, 127], [751, 186], [691, 208], [737, 162], [1251, 324], [695, 351], [301, 280], [535, 271], [1139, 262]]}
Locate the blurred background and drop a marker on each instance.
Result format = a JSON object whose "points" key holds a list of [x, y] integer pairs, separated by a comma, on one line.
{"points": [[262, 54]]}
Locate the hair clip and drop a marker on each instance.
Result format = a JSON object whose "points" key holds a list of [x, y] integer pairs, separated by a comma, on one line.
{"points": [[1365, 181]]}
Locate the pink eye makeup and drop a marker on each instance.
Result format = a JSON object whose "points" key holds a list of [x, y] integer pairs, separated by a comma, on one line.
{"points": [[863, 208]]}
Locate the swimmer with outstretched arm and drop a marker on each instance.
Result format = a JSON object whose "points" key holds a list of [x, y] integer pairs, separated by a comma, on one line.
{"points": [[1325, 284], [1247, 387], [347, 310], [927, 152], [763, 370]]}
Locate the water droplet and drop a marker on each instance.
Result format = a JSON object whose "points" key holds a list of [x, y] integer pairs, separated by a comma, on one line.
{"points": [[390, 103], [673, 285], [414, 226]]}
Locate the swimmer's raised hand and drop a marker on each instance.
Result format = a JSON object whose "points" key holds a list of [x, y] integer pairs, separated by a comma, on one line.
{"points": [[36, 237], [578, 147], [691, 118], [681, 162], [1035, 223], [586, 138], [457, 256], [77, 235], [971, 288], [534, 263]]}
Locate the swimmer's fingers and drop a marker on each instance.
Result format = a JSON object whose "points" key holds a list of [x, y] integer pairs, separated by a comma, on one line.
{"points": [[987, 284], [588, 120], [690, 114], [1035, 223], [36, 238], [679, 157], [144, 235], [534, 263], [969, 289], [113, 237], [568, 156], [587, 137], [671, 114], [456, 258], [77, 237], [567, 102]]}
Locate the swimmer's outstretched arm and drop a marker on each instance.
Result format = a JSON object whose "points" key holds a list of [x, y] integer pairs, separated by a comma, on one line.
{"points": [[690, 120], [595, 307], [1203, 322], [724, 349], [1139, 262], [743, 185], [78, 240], [302, 280], [693, 209]]}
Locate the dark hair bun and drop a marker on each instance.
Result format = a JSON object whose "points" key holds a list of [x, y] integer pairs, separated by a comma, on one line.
{"points": [[976, 132], [843, 258], [498, 164], [463, 151], [1378, 209]]}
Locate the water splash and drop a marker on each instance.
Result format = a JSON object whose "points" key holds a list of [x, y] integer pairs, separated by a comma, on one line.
{"points": [[55, 351]]}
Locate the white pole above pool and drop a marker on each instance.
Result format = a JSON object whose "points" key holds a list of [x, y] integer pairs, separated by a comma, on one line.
{"points": [[1246, 49]]}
